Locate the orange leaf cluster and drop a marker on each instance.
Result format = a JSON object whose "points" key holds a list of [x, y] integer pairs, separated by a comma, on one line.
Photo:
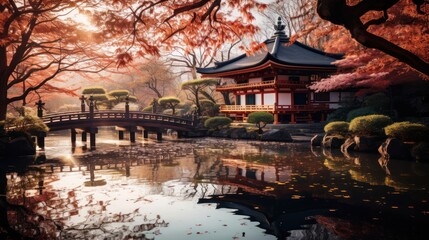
{"points": [[370, 69]]}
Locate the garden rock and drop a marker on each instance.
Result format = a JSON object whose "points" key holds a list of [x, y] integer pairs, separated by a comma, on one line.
{"points": [[316, 140], [368, 143], [223, 133], [330, 141], [277, 135], [238, 133], [393, 148]]}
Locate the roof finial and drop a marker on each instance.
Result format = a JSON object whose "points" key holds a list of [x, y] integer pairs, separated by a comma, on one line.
{"points": [[280, 27]]}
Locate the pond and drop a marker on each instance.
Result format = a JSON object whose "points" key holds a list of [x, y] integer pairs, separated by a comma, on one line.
{"points": [[209, 189]]}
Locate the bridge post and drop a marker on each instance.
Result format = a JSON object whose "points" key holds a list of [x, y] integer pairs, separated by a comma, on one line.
{"points": [[82, 103], [73, 136], [92, 140], [127, 107], [91, 107], [132, 136], [40, 136], [41, 139], [179, 134], [159, 135], [145, 134], [92, 132], [121, 135]]}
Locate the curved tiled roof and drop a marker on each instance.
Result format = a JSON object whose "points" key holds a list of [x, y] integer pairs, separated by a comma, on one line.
{"points": [[280, 50]]}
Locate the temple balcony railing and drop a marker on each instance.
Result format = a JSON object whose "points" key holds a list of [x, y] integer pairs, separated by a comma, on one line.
{"points": [[261, 85], [313, 107]]}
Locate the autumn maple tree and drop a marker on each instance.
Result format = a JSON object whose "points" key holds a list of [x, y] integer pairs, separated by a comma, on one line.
{"points": [[390, 42], [38, 43], [41, 40]]}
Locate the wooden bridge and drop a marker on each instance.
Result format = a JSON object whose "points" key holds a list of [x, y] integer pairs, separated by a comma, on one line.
{"points": [[70, 120], [88, 122]]}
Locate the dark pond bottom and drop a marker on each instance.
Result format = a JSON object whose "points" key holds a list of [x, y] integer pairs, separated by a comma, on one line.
{"points": [[209, 189]]}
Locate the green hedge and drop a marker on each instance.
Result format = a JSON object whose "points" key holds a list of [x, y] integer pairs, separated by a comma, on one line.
{"points": [[215, 123], [407, 131], [371, 125], [337, 128], [359, 112]]}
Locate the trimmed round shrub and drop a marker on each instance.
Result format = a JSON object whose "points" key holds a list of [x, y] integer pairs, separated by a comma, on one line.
{"points": [[260, 119], [337, 128], [94, 90], [359, 112], [371, 125], [257, 117], [216, 123], [407, 131]]}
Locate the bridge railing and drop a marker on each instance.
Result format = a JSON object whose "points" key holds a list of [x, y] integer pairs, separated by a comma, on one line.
{"points": [[75, 116]]}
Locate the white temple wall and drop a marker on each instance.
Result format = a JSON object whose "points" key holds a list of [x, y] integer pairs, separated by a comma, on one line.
{"points": [[258, 100], [285, 99], [269, 98]]}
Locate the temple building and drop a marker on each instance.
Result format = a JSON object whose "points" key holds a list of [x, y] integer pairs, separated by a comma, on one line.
{"points": [[276, 79]]}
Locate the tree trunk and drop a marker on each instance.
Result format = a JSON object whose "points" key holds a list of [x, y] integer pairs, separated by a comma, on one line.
{"points": [[226, 99], [3, 100], [194, 72], [197, 102]]}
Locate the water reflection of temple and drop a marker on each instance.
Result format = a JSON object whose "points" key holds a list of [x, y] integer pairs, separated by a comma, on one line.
{"points": [[253, 177], [304, 195]]}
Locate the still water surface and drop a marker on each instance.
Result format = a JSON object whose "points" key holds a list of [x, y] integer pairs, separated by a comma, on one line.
{"points": [[211, 189]]}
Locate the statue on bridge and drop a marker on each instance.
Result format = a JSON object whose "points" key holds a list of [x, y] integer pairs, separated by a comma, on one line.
{"points": [[82, 103], [40, 105]]}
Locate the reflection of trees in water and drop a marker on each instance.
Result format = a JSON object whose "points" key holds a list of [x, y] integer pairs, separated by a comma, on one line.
{"points": [[25, 213], [17, 216], [286, 174], [375, 170], [45, 215]]}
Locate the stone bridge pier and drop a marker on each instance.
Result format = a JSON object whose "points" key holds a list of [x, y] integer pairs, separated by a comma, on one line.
{"points": [[84, 131]]}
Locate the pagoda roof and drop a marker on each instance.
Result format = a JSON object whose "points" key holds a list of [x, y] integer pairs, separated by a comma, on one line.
{"points": [[279, 50]]}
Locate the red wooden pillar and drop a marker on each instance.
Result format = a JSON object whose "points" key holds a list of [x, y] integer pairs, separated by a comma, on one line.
{"points": [[276, 118], [292, 105]]}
